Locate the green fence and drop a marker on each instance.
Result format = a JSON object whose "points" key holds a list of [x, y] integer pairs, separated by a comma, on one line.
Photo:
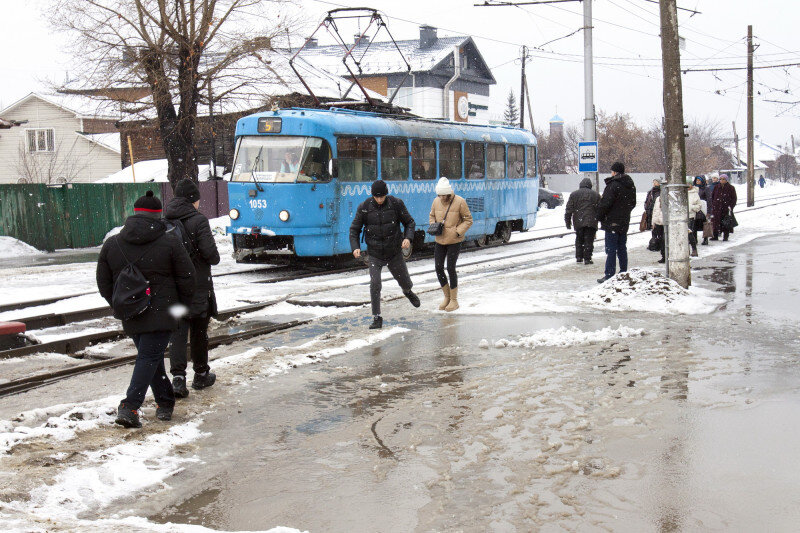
{"points": [[74, 215]]}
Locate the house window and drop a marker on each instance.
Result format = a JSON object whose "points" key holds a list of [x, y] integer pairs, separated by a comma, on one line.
{"points": [[450, 160], [42, 140], [358, 158]]}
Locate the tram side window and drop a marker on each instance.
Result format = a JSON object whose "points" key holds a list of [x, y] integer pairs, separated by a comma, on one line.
{"points": [[394, 159], [497, 161], [450, 160], [531, 162], [358, 157], [516, 162], [423, 160], [474, 160]]}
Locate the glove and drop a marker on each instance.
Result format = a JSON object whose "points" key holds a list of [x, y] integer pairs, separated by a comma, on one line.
{"points": [[569, 226]]}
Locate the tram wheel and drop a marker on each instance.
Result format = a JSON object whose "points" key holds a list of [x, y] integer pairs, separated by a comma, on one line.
{"points": [[505, 232], [482, 241]]}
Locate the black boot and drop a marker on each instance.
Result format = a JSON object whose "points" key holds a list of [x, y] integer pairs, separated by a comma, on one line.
{"points": [[164, 413], [127, 417], [705, 241], [413, 298], [179, 387], [694, 250], [662, 260], [204, 380], [377, 323], [580, 259], [588, 261]]}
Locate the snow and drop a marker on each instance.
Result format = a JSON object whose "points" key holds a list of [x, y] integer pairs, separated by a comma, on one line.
{"points": [[646, 290], [154, 170], [106, 140], [11, 247], [572, 336]]}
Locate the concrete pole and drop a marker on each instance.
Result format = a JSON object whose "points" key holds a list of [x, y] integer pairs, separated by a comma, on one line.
{"points": [[522, 89], [589, 122], [751, 181], [677, 208]]}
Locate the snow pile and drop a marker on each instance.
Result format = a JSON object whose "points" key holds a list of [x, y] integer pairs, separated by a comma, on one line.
{"points": [[646, 290], [151, 171], [63, 422], [114, 473], [572, 336], [11, 247]]}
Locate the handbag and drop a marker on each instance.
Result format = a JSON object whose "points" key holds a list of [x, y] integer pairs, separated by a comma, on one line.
{"points": [[437, 228], [728, 222], [643, 222], [708, 229]]}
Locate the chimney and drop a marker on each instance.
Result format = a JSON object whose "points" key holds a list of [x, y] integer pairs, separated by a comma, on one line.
{"points": [[427, 36], [311, 42]]}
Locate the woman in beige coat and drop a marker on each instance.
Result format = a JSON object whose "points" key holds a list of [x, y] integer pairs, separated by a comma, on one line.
{"points": [[452, 210]]}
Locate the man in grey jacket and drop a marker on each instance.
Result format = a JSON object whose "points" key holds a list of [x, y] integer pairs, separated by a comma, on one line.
{"points": [[581, 214]]}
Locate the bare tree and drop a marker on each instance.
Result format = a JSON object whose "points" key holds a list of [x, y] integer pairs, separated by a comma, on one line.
{"points": [[704, 152], [62, 165], [174, 48], [784, 169]]}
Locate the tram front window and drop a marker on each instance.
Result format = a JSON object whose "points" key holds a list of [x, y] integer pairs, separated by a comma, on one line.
{"points": [[282, 160]]}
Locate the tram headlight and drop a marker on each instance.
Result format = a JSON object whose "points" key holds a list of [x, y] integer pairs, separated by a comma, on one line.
{"points": [[234, 214], [284, 215]]}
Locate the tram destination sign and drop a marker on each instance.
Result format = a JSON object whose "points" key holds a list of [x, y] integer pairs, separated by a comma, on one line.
{"points": [[269, 125], [587, 156]]}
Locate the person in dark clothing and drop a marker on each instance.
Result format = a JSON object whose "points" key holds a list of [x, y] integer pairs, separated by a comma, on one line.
{"points": [[380, 218], [650, 201], [614, 214], [723, 201], [164, 262], [581, 213], [182, 212], [705, 196]]}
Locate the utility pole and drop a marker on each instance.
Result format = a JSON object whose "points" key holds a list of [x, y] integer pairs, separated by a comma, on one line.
{"points": [[530, 108], [677, 208], [522, 88], [589, 122], [751, 182], [736, 143], [213, 161]]}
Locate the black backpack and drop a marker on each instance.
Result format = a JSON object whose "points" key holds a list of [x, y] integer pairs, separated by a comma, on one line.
{"points": [[131, 296], [175, 225]]}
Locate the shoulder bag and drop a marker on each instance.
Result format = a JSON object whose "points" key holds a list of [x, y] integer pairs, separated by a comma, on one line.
{"points": [[437, 228]]}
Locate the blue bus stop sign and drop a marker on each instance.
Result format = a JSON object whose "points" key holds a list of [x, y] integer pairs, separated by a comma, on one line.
{"points": [[587, 156]]}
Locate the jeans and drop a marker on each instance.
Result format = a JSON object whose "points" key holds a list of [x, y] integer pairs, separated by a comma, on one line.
{"points": [[616, 246], [449, 251], [149, 371], [195, 330], [397, 266], [584, 242]]}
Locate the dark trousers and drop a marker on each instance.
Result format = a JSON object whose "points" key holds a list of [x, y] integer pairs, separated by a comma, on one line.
{"points": [[195, 330], [658, 233], [449, 251], [149, 371], [584, 242], [616, 247], [397, 266]]}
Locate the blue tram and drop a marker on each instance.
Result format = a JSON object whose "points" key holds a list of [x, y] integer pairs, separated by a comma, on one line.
{"points": [[299, 174]]}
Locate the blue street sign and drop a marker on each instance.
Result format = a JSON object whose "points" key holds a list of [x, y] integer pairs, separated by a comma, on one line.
{"points": [[587, 156]]}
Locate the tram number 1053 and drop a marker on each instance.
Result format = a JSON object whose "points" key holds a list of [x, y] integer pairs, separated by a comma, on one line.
{"points": [[258, 204]]}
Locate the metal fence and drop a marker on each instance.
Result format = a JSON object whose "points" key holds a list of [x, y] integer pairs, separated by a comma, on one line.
{"points": [[79, 215]]}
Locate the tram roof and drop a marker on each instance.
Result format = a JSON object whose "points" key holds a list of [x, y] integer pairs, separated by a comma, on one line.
{"points": [[336, 121]]}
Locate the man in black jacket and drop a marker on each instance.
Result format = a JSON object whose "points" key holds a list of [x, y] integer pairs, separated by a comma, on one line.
{"points": [[614, 214], [163, 261], [182, 212], [380, 217], [582, 214]]}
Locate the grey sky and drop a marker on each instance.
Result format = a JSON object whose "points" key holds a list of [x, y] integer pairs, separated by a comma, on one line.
{"points": [[627, 52]]}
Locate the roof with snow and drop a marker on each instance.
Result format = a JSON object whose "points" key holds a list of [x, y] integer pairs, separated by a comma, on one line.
{"points": [[556, 119], [79, 105], [763, 152], [106, 140]]}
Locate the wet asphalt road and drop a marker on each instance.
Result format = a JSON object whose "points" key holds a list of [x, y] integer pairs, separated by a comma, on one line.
{"points": [[693, 426]]}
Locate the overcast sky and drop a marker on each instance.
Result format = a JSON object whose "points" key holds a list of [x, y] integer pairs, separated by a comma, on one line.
{"points": [[626, 48]]}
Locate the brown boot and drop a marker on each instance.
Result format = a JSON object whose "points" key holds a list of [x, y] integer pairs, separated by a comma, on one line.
{"points": [[446, 301], [453, 305], [694, 250]]}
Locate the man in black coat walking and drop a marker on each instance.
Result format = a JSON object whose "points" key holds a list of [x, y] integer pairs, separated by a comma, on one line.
{"points": [[380, 218], [182, 212], [164, 263], [582, 214], [614, 214]]}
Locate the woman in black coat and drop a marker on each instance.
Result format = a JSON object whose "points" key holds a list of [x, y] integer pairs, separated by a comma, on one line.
{"points": [[163, 261]]}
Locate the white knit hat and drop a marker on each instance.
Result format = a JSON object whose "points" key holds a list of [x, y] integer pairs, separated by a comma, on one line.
{"points": [[443, 187]]}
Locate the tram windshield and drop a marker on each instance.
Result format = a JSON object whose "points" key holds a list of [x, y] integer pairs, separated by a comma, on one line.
{"points": [[282, 159]]}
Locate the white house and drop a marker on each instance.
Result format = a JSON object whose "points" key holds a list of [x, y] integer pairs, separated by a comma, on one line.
{"points": [[62, 138]]}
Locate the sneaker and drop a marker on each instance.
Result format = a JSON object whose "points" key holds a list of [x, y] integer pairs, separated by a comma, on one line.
{"points": [[127, 417], [377, 323], [164, 413], [204, 380], [588, 262], [604, 279], [413, 298], [179, 387]]}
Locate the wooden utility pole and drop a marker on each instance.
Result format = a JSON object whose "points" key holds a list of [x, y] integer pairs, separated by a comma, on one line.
{"points": [[736, 143], [677, 209], [130, 152], [530, 108], [522, 88], [751, 182]]}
